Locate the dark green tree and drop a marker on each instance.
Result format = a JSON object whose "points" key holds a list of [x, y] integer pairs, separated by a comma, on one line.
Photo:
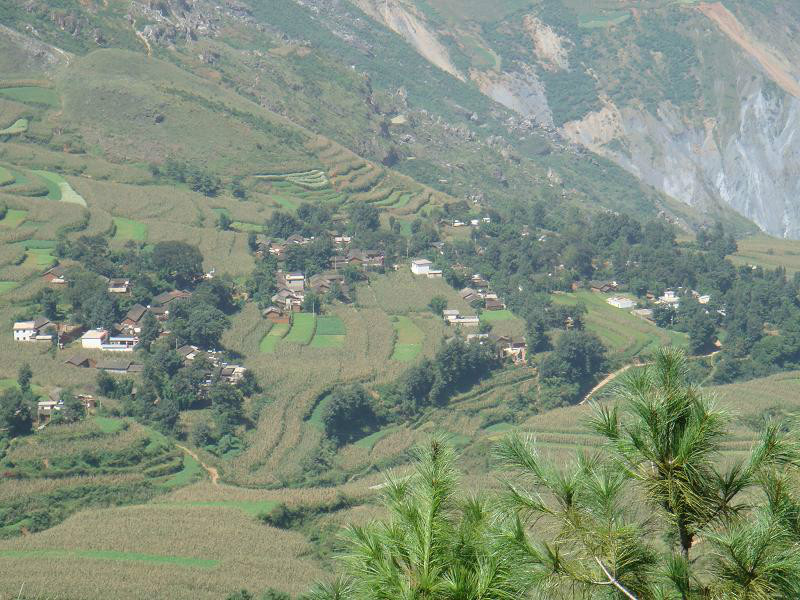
{"points": [[438, 305], [349, 414], [178, 262], [15, 414]]}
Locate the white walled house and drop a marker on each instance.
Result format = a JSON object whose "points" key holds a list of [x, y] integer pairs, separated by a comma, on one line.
{"points": [[30, 331], [421, 266], [94, 338], [621, 302]]}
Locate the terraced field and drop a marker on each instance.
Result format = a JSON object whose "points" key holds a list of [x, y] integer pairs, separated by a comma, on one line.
{"points": [[330, 332], [408, 344], [302, 331], [270, 341], [129, 229], [31, 95], [619, 330], [18, 127], [769, 253], [14, 218], [60, 189]]}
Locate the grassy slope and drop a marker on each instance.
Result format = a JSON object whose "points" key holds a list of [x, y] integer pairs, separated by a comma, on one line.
{"points": [[619, 330]]}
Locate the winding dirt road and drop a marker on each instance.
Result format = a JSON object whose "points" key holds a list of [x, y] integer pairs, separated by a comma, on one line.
{"points": [[213, 473]]}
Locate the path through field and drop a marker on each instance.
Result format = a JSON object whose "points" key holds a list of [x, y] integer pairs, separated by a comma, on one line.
{"points": [[777, 67], [212, 471], [608, 379]]}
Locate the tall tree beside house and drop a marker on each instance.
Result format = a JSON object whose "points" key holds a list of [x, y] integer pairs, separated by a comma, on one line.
{"points": [[24, 377], [15, 414], [438, 305], [72, 409], [149, 331]]}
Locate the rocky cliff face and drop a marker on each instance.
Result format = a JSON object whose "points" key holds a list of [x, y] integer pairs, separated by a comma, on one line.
{"points": [[749, 158]]}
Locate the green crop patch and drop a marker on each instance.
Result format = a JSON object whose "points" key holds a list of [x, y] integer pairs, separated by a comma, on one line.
{"points": [[492, 316], [319, 412], [39, 257], [60, 189], [31, 95], [128, 229], [13, 218], [191, 470], [6, 177], [270, 341], [247, 227], [109, 425], [250, 507], [330, 326], [408, 343], [58, 553], [19, 126], [7, 286], [406, 352], [369, 442], [303, 326]]}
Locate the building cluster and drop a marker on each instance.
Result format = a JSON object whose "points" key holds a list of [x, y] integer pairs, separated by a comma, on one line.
{"points": [[507, 347], [478, 294]]}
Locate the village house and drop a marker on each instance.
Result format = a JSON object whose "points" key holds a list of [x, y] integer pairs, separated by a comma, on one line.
{"points": [[116, 366], [479, 282], [275, 315], [32, 331], [288, 300], [323, 283], [644, 313], [421, 266], [296, 282], [454, 317], [188, 352], [298, 240], [132, 321], [232, 373], [434, 274], [669, 297], [341, 240], [621, 302], [45, 409], [493, 304], [119, 286], [514, 348], [470, 295], [56, 275], [99, 339], [603, 287], [168, 297], [81, 361], [94, 339]]}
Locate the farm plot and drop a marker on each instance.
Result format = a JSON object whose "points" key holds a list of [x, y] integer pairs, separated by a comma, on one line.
{"points": [[768, 252], [13, 218], [6, 177], [408, 343], [194, 552], [619, 330], [19, 126], [270, 341], [60, 189], [302, 331], [128, 229], [7, 286], [309, 180], [330, 333], [31, 95]]}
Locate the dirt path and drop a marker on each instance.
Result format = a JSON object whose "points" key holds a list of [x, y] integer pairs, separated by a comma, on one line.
{"points": [[212, 471], [608, 379], [777, 67]]}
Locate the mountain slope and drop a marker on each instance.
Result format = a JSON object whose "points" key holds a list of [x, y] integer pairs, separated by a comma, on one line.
{"points": [[699, 100]]}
